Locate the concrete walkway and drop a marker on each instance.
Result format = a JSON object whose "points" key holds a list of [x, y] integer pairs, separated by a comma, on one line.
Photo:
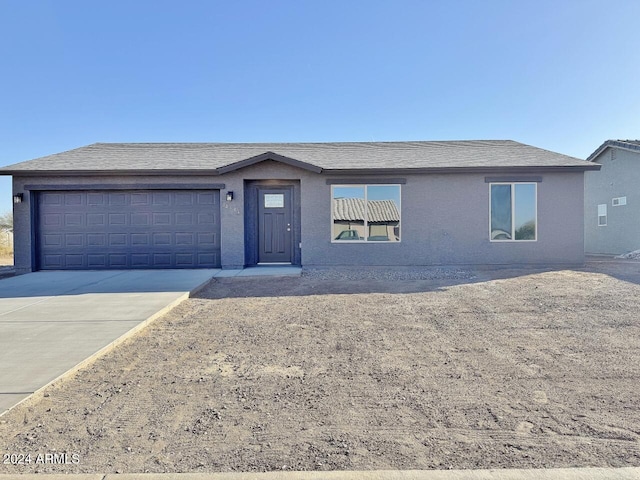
{"points": [[262, 271], [494, 474], [54, 322]]}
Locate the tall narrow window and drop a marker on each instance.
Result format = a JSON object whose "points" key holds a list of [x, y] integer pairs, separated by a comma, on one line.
{"points": [[602, 215], [365, 213], [513, 212]]}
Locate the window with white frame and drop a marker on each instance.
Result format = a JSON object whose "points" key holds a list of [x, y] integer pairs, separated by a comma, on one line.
{"points": [[513, 212], [365, 213], [602, 215], [619, 201]]}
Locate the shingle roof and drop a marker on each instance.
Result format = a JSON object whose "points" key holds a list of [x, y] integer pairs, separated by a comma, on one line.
{"points": [[625, 144], [352, 210], [221, 157]]}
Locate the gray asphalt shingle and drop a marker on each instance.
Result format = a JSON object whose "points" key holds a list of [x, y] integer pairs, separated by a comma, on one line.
{"points": [[328, 156]]}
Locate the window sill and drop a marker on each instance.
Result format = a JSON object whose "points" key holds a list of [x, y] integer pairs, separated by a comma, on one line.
{"points": [[513, 241], [360, 242]]}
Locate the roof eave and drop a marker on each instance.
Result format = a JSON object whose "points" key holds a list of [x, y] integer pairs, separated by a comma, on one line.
{"points": [[101, 173], [346, 171], [449, 170]]}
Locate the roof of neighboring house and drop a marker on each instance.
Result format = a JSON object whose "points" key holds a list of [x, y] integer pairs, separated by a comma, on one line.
{"points": [[352, 210], [219, 158], [633, 145]]}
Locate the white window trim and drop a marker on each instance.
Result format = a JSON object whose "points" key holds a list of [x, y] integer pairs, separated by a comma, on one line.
{"points": [[513, 215], [606, 216], [622, 201], [365, 185]]}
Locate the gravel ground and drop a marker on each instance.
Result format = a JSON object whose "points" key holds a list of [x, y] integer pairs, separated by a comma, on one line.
{"points": [[510, 368], [390, 273], [635, 255]]}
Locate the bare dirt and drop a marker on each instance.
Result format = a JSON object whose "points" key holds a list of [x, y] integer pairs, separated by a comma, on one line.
{"points": [[6, 259], [512, 368], [6, 264]]}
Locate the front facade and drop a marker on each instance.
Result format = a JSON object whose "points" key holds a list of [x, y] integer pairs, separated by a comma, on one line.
{"points": [[237, 205], [612, 199]]}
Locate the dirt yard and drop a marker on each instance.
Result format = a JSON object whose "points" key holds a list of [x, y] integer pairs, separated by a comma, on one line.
{"points": [[6, 263], [506, 369], [6, 256]]}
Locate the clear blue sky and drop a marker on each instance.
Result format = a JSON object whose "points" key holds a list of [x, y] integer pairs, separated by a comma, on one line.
{"points": [[562, 75]]}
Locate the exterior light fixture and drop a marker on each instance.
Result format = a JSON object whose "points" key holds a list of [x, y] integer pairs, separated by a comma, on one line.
{"points": [[229, 196], [17, 198]]}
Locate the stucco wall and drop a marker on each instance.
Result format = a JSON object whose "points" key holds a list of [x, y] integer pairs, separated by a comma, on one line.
{"points": [[619, 177], [445, 219]]}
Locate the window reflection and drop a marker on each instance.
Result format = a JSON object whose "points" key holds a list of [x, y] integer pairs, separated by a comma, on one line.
{"points": [[525, 211], [369, 213], [500, 212], [513, 211]]}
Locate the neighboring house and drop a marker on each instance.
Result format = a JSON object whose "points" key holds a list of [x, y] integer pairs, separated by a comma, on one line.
{"points": [[233, 205], [612, 199]]}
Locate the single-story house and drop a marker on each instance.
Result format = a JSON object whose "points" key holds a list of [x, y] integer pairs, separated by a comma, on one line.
{"points": [[204, 205], [612, 199]]}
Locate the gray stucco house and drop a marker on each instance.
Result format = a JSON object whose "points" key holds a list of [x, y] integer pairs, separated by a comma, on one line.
{"points": [[233, 205], [612, 199]]}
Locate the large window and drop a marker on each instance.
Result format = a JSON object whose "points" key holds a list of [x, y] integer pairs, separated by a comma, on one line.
{"points": [[365, 213], [513, 211]]}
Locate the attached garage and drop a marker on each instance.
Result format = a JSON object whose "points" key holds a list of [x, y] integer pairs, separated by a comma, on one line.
{"points": [[123, 229]]}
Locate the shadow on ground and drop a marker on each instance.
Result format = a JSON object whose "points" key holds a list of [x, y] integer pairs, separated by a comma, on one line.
{"points": [[52, 283], [393, 280]]}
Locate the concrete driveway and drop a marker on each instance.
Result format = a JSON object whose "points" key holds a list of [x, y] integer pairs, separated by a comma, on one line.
{"points": [[52, 321]]}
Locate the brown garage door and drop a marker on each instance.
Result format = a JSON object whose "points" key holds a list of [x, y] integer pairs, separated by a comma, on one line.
{"points": [[128, 229]]}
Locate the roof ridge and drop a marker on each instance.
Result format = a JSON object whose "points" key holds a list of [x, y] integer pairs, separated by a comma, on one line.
{"points": [[389, 142]]}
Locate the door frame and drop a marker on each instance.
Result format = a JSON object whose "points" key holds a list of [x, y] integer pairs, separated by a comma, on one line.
{"points": [[251, 198]]}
